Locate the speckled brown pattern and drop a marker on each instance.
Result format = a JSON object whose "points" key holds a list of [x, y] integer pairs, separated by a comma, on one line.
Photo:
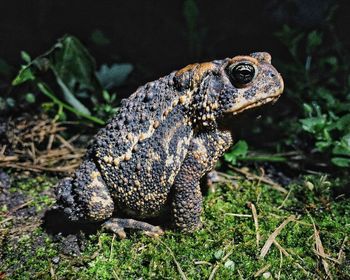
{"points": [[151, 156]]}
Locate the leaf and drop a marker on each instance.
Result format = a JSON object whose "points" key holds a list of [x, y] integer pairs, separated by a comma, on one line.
{"points": [[5, 68], [345, 140], [240, 149], [314, 124], [48, 92], [327, 95], [114, 75], [99, 38], [219, 254], [10, 102], [24, 75], [191, 13], [343, 122], [307, 108], [341, 162], [323, 145], [342, 147], [73, 68], [25, 56], [331, 60], [30, 97], [291, 38], [71, 99], [106, 95], [314, 39], [230, 265]]}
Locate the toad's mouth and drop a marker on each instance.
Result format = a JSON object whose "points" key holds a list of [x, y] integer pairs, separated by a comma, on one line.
{"points": [[256, 103]]}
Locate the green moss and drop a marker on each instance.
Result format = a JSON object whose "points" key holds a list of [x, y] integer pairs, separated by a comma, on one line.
{"points": [[225, 231], [38, 190]]}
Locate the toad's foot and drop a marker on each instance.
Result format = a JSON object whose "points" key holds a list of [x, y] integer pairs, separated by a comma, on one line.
{"points": [[118, 225]]}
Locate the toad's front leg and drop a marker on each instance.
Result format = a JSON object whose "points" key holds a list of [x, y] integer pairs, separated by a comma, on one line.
{"points": [[117, 226], [204, 151]]}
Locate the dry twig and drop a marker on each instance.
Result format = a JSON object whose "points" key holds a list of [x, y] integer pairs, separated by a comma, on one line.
{"points": [[179, 269], [216, 267], [319, 249], [238, 215], [284, 200], [35, 144], [251, 176], [256, 223], [273, 236], [284, 252], [341, 254], [262, 270]]}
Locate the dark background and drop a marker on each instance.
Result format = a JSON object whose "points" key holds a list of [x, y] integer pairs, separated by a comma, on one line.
{"points": [[160, 36]]}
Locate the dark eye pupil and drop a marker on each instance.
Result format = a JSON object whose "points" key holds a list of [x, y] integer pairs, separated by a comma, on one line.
{"points": [[242, 73]]}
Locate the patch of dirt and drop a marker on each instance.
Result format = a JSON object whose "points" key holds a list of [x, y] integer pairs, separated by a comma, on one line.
{"points": [[38, 144], [19, 217]]}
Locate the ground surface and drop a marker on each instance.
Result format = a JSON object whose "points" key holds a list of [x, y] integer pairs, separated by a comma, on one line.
{"points": [[250, 230]]}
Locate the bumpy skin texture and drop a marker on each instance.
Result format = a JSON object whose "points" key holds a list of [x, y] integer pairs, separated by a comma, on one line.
{"points": [[150, 157]]}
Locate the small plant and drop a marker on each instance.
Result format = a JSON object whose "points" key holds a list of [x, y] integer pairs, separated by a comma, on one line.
{"points": [[106, 108], [66, 74], [237, 152], [319, 85], [194, 32], [331, 133]]}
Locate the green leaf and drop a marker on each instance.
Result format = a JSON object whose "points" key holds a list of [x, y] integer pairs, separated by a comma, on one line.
{"points": [[229, 264], [240, 149], [314, 39], [25, 74], [25, 56], [326, 95], [115, 75], [341, 162], [10, 102], [71, 99], [30, 97], [314, 124], [73, 69], [106, 96], [219, 254], [323, 145], [342, 147], [345, 140], [48, 92], [5, 68], [343, 122], [191, 13], [307, 108], [331, 60], [291, 38], [99, 38]]}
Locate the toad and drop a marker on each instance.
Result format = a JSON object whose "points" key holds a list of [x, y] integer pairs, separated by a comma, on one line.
{"points": [[148, 160]]}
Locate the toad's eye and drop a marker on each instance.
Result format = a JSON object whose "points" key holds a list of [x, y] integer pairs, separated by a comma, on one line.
{"points": [[241, 74]]}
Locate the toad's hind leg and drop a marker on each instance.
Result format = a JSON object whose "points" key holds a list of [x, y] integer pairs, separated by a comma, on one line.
{"points": [[85, 197], [117, 225]]}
